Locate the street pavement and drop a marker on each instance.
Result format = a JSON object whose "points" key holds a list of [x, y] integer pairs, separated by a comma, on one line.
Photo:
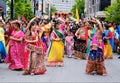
{"points": [[73, 71]]}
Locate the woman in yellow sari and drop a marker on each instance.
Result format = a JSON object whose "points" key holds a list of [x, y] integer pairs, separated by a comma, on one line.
{"points": [[108, 54], [56, 49]]}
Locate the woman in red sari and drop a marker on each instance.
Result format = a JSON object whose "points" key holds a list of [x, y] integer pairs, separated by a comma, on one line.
{"points": [[33, 56], [16, 49]]}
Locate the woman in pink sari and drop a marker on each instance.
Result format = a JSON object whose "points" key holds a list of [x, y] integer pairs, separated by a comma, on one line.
{"points": [[16, 49]]}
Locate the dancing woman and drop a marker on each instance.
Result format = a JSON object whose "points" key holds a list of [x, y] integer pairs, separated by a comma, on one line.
{"points": [[91, 33], [95, 62], [16, 48], [108, 54], [33, 56], [80, 44], [56, 49]]}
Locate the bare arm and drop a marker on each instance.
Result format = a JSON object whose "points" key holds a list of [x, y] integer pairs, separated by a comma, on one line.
{"points": [[77, 32], [2, 21], [89, 34], [30, 41], [16, 39], [30, 22], [100, 25]]}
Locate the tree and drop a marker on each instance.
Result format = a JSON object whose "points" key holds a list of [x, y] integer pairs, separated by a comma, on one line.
{"points": [[53, 9], [21, 7], [80, 5], [113, 12]]}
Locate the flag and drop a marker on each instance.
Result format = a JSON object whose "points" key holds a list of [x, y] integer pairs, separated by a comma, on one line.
{"points": [[24, 19], [77, 14]]}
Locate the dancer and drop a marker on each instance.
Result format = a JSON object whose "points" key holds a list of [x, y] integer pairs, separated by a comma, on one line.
{"points": [[95, 64], [56, 49], [80, 43], [108, 54], [16, 49], [33, 56], [91, 33]]}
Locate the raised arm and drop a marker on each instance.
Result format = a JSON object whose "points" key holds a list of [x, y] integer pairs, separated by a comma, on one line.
{"points": [[30, 22], [2, 20], [100, 25], [77, 32]]}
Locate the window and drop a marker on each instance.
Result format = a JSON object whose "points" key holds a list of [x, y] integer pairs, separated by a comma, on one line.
{"points": [[93, 2], [62, 0], [104, 4]]}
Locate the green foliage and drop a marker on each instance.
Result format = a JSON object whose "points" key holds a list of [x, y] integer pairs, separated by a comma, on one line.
{"points": [[21, 7], [113, 12], [80, 5], [52, 9]]}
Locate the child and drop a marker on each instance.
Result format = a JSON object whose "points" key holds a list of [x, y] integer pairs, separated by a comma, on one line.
{"points": [[69, 44]]}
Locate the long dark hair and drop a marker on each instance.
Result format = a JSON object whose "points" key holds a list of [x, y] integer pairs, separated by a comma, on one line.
{"points": [[28, 31], [17, 25], [56, 23]]}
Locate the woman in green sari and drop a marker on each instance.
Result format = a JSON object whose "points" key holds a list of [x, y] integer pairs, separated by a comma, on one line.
{"points": [[56, 49], [91, 33]]}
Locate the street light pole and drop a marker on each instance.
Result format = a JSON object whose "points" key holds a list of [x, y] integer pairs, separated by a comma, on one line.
{"points": [[34, 7], [42, 6], [12, 9]]}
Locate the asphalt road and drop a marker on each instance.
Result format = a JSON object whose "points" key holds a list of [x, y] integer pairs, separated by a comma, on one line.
{"points": [[73, 71]]}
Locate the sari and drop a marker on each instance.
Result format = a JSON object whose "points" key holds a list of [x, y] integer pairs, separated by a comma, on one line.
{"points": [[107, 47], [33, 57], [91, 32], [2, 45], [69, 43], [44, 44], [8, 34], [56, 50], [15, 51], [95, 62], [80, 44], [111, 39]]}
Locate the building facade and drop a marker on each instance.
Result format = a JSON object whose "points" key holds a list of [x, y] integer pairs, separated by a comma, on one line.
{"points": [[96, 7], [63, 5], [41, 6]]}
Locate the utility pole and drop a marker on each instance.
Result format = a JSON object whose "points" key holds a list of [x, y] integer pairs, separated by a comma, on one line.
{"points": [[12, 9]]}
